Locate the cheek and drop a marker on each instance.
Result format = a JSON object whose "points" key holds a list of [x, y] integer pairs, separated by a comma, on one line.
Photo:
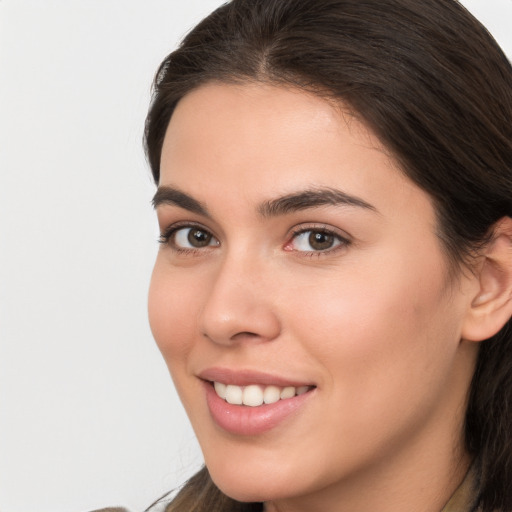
{"points": [[171, 309], [384, 329], [386, 357]]}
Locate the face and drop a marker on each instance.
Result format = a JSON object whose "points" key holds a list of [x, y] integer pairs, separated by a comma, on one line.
{"points": [[300, 271]]}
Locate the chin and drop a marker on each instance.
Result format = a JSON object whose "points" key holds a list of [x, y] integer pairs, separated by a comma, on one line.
{"points": [[247, 492], [247, 483]]}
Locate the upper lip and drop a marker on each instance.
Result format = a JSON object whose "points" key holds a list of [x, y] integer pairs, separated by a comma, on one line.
{"points": [[247, 377]]}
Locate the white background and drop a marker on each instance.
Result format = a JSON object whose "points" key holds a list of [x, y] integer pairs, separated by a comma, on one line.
{"points": [[88, 416]]}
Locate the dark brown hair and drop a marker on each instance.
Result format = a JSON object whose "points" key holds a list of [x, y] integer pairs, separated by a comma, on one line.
{"points": [[435, 87]]}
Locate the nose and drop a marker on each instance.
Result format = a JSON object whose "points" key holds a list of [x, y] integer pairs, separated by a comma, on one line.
{"points": [[239, 306]]}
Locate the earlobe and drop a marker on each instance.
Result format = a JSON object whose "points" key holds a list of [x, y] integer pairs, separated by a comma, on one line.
{"points": [[491, 307]]}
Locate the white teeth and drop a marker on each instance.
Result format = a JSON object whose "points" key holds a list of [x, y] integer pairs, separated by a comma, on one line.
{"points": [[255, 395], [271, 395], [302, 390], [234, 394], [252, 396], [288, 392], [220, 389]]}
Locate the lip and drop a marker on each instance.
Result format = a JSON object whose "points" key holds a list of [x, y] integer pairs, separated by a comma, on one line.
{"points": [[242, 420], [248, 377]]}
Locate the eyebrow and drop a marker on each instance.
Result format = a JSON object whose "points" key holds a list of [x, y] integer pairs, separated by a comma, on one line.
{"points": [[293, 202], [311, 198], [173, 196]]}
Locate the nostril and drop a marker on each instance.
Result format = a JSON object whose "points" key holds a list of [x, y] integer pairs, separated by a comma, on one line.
{"points": [[245, 334]]}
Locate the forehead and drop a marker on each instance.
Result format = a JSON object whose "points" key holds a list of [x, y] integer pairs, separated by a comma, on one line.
{"points": [[248, 113], [257, 141]]}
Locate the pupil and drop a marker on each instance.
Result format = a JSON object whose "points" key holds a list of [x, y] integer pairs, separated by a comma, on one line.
{"points": [[320, 241], [199, 238]]}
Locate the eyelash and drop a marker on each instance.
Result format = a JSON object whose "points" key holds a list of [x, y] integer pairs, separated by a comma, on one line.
{"points": [[166, 238], [342, 241]]}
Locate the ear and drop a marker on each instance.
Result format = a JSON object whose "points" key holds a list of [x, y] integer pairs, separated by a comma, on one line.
{"points": [[491, 306]]}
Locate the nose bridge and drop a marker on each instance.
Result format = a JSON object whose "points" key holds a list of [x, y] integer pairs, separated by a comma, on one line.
{"points": [[239, 303]]}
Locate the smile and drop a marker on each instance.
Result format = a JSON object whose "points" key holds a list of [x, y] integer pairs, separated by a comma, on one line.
{"points": [[255, 395], [252, 409]]}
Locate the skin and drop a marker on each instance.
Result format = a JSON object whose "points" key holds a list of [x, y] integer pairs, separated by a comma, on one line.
{"points": [[374, 322]]}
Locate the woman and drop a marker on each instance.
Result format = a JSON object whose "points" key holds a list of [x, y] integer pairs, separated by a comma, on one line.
{"points": [[332, 293]]}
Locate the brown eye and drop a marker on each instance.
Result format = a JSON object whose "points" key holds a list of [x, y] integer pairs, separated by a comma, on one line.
{"points": [[316, 240], [199, 238], [320, 241], [193, 238]]}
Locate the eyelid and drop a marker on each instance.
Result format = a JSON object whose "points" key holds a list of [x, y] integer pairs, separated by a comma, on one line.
{"points": [[344, 238], [167, 234]]}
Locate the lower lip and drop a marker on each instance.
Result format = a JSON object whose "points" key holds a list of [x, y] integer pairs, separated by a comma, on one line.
{"points": [[250, 421]]}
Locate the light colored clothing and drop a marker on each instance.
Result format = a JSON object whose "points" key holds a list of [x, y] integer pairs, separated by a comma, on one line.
{"points": [[464, 498]]}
